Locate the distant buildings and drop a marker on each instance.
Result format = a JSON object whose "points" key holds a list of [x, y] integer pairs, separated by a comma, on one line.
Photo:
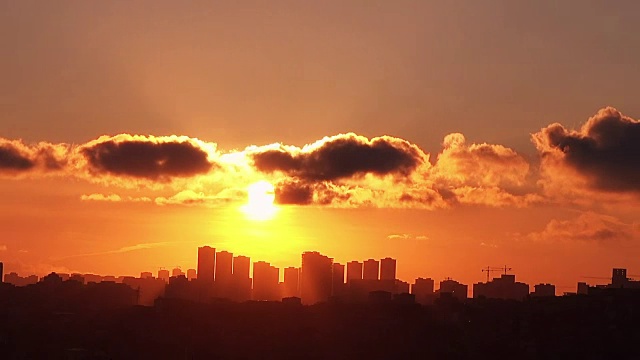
{"points": [[544, 290], [423, 290], [206, 264], [354, 271], [14, 279], [319, 279], [265, 282], [192, 274], [1, 271], [337, 282], [291, 286], [619, 280], [504, 287], [177, 272], [241, 281], [224, 272], [388, 269], [456, 289], [370, 270], [163, 274], [316, 278]]}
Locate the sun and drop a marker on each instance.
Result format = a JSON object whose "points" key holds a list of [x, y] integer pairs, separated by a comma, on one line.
{"points": [[260, 205]]}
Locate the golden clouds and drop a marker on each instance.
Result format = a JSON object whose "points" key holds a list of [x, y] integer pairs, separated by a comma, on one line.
{"points": [[348, 170], [601, 159]]}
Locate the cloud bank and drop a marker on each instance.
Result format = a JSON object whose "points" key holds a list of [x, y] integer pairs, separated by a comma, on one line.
{"points": [[603, 155], [349, 170]]}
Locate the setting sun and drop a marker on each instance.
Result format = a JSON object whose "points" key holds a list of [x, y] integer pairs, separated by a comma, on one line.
{"points": [[259, 204]]}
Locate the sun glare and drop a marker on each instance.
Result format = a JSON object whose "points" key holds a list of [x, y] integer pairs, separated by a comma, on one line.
{"points": [[260, 205]]}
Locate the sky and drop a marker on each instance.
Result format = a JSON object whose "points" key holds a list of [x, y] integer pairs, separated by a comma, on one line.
{"points": [[449, 135]]}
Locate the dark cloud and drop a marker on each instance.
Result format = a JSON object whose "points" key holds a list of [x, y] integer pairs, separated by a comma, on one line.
{"points": [[13, 159], [301, 193], [342, 156], [148, 158], [294, 193], [606, 150]]}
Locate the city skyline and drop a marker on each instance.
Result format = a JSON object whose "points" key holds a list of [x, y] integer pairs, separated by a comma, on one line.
{"points": [[221, 274], [447, 136]]}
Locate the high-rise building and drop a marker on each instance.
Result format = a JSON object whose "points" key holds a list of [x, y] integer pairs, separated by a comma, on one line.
{"points": [[315, 278], [162, 274], [224, 272], [544, 290], [291, 282], [146, 275], [388, 269], [206, 264], [192, 274], [338, 285], [354, 271], [422, 287], [619, 278], [1, 272], [456, 289], [504, 287], [241, 280], [241, 266], [176, 272], [370, 270], [224, 266], [265, 281]]}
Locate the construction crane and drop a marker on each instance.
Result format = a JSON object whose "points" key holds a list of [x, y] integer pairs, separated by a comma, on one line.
{"points": [[490, 269]]}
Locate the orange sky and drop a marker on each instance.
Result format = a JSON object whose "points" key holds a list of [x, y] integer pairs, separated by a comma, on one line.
{"points": [[449, 136]]}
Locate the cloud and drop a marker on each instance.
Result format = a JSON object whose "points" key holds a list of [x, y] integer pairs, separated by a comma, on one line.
{"points": [[101, 197], [604, 154], [3, 247], [148, 157], [481, 174], [407, 237], [14, 158], [190, 197], [589, 226], [345, 170], [17, 158], [341, 156], [113, 198], [294, 192], [461, 164]]}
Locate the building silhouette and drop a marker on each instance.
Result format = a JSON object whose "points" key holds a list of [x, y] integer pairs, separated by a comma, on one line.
{"points": [[146, 275], [388, 269], [354, 271], [177, 272], [544, 290], [192, 274], [224, 272], [454, 288], [291, 286], [206, 264], [370, 270], [337, 283], [241, 266], [315, 278], [265, 282], [504, 287], [162, 274], [423, 290], [401, 287], [14, 279], [241, 281], [1, 272]]}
